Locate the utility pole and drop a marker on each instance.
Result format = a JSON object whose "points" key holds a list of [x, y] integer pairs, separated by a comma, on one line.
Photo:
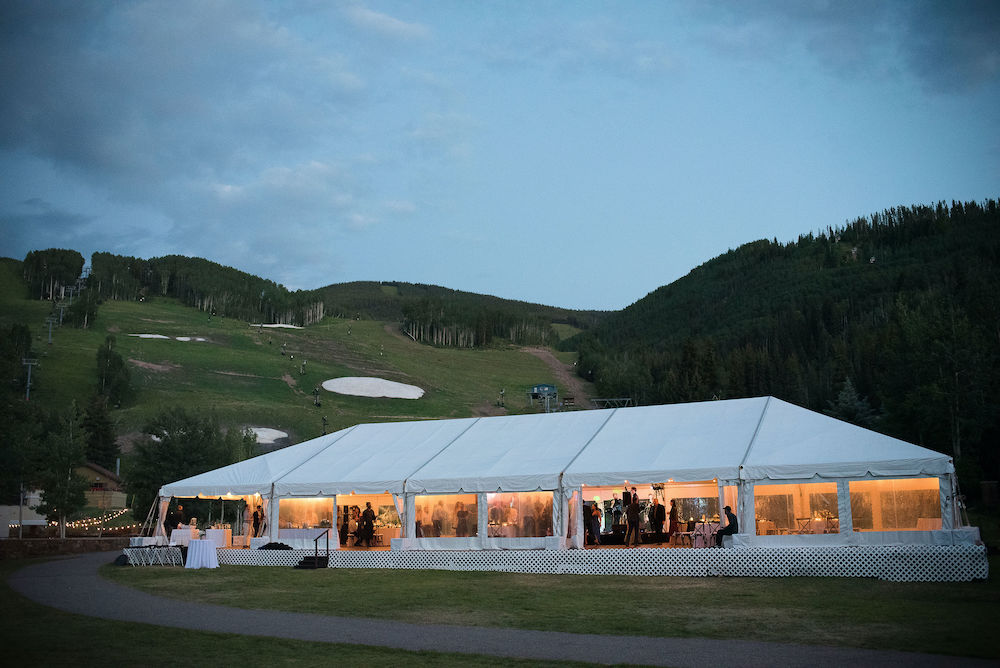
{"points": [[50, 321], [28, 362]]}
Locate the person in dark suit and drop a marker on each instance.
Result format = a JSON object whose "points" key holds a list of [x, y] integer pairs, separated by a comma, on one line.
{"points": [[673, 527], [258, 517], [657, 516], [632, 517], [367, 527], [732, 527]]}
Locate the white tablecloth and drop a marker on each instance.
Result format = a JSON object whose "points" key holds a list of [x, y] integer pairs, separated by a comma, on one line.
{"points": [[309, 534], [146, 541], [704, 534], [201, 554], [183, 536], [222, 537]]}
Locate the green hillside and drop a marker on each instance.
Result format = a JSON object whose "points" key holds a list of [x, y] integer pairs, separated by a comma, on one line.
{"points": [[240, 374]]}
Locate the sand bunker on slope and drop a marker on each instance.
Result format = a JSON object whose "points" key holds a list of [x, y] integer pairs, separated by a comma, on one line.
{"points": [[266, 435], [161, 336], [372, 387]]}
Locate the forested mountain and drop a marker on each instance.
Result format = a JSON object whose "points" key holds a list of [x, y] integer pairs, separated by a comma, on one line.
{"points": [[427, 313], [901, 309]]}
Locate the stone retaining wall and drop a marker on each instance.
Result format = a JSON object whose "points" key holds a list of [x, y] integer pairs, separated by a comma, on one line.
{"points": [[26, 548]]}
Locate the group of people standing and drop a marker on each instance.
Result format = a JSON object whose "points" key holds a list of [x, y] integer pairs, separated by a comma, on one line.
{"points": [[630, 509], [359, 524]]}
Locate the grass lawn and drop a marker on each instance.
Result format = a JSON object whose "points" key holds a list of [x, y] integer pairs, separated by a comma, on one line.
{"points": [[32, 634], [946, 618]]}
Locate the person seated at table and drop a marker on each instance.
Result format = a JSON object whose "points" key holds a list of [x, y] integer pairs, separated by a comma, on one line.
{"points": [[732, 527]]}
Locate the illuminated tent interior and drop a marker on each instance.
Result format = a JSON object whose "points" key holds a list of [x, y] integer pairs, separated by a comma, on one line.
{"points": [[792, 476]]}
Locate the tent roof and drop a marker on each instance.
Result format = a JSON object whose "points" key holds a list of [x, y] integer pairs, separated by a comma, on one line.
{"points": [[510, 453], [683, 442], [372, 458], [760, 438], [797, 443], [251, 476]]}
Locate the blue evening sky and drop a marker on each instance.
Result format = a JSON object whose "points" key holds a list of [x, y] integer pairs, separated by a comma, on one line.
{"points": [[577, 154]]}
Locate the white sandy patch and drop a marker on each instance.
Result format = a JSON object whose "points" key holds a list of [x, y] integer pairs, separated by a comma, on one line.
{"points": [[372, 387], [266, 435], [161, 336], [279, 325]]}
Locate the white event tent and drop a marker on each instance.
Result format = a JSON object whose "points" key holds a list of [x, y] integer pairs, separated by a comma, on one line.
{"points": [[793, 476]]}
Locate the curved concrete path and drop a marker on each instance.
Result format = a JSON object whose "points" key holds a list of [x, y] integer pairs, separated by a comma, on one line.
{"points": [[73, 584]]}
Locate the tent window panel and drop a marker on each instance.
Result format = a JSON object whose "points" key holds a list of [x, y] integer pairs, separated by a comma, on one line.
{"points": [[697, 508], [797, 508], [446, 515], [316, 513], [905, 504], [520, 514], [774, 513]]}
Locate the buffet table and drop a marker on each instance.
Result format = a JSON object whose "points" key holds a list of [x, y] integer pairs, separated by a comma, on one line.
{"points": [[183, 535], [201, 554], [222, 537]]}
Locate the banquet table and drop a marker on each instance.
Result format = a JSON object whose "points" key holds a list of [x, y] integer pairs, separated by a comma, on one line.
{"points": [[704, 533], [146, 541], [201, 554], [221, 537], [807, 525], [183, 535], [766, 527], [304, 534]]}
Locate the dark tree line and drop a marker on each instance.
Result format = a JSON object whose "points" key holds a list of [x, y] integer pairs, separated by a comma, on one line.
{"points": [[902, 308], [49, 271], [207, 286], [429, 314]]}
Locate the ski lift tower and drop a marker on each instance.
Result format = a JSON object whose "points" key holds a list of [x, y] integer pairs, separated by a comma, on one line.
{"points": [[546, 394]]}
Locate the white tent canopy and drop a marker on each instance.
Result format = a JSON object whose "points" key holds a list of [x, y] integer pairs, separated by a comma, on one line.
{"points": [[736, 442]]}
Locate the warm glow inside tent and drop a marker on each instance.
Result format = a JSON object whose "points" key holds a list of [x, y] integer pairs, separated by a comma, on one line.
{"points": [[793, 477]]}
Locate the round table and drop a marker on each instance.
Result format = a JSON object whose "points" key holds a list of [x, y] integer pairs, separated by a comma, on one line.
{"points": [[201, 554]]}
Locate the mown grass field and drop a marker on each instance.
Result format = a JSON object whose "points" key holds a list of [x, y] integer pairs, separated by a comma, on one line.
{"points": [[945, 618], [240, 374], [34, 635]]}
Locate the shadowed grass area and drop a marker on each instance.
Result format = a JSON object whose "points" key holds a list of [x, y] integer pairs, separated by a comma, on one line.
{"points": [[947, 618], [32, 634]]}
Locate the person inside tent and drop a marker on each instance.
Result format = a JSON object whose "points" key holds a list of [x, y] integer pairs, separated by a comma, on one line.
{"points": [[731, 527]]}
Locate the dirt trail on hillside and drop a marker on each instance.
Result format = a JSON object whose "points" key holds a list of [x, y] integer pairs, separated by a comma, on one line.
{"points": [[569, 384]]}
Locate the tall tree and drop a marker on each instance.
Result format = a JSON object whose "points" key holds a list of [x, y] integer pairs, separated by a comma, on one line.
{"points": [[113, 377], [63, 490], [99, 433], [179, 444], [852, 407]]}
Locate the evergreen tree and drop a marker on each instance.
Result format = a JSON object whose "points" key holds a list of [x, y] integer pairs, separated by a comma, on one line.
{"points": [[180, 444], [853, 408], [113, 378], [63, 490], [99, 431]]}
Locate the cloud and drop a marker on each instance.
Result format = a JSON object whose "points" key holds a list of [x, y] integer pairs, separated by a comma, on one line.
{"points": [[383, 24], [948, 46]]}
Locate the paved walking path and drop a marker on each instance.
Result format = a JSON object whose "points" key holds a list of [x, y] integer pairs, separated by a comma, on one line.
{"points": [[73, 584]]}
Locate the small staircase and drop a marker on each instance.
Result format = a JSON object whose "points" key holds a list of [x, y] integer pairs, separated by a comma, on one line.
{"points": [[313, 562]]}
